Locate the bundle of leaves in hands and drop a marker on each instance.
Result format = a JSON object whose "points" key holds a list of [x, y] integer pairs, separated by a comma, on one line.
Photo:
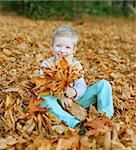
{"points": [[55, 79]]}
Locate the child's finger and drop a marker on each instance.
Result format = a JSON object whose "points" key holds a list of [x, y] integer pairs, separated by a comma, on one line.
{"points": [[70, 104], [66, 104], [63, 105]]}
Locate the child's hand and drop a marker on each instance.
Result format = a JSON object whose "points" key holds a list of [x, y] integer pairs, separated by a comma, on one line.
{"points": [[66, 102], [70, 92]]}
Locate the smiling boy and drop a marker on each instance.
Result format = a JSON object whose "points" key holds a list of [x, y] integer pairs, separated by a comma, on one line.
{"points": [[64, 42]]}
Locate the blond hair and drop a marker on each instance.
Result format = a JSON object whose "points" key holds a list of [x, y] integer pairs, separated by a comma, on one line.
{"points": [[65, 31]]}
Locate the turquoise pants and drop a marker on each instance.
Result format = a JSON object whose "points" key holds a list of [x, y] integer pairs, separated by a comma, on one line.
{"points": [[99, 93]]}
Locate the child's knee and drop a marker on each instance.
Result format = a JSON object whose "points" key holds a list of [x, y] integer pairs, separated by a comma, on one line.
{"points": [[104, 83]]}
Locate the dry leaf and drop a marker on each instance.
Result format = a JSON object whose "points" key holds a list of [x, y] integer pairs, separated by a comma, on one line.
{"points": [[97, 126], [33, 106], [84, 141], [29, 125], [7, 51], [53, 118], [78, 111], [67, 143], [98, 123], [59, 128], [107, 141], [8, 101], [6, 142], [2, 60]]}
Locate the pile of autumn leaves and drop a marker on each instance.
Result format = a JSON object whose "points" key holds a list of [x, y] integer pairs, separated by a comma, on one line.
{"points": [[107, 51]]}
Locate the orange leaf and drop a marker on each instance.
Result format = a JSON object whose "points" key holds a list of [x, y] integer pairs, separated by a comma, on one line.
{"points": [[45, 92], [97, 126], [2, 60], [96, 123], [33, 106], [63, 63], [38, 81]]}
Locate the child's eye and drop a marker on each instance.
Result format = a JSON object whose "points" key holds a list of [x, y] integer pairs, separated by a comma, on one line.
{"points": [[67, 47], [58, 45]]}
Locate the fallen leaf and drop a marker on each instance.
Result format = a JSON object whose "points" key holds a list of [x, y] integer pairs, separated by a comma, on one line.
{"points": [[107, 141], [7, 51], [8, 101], [84, 141], [65, 144], [6, 142], [97, 126], [78, 111], [29, 125], [2, 60], [59, 128], [98, 123], [33, 106], [53, 118]]}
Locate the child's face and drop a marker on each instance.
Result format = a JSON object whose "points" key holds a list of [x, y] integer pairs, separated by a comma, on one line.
{"points": [[63, 46]]}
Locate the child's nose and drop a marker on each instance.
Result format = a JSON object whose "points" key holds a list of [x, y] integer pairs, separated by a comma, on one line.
{"points": [[63, 49]]}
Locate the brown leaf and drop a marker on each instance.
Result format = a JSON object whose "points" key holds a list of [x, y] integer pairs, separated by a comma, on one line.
{"points": [[2, 60], [97, 126], [7, 51], [97, 123], [84, 141], [66, 143], [53, 118], [78, 111], [107, 141], [6, 142]]}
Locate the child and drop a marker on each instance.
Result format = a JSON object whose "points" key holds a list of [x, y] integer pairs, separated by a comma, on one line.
{"points": [[64, 43]]}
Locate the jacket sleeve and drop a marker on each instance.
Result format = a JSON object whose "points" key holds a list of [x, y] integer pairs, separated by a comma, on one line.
{"points": [[80, 87], [44, 64]]}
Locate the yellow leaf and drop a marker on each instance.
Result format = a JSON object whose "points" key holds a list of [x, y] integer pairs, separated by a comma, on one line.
{"points": [[38, 81], [8, 101]]}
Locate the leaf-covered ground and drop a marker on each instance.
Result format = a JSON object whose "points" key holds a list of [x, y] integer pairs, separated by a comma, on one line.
{"points": [[107, 50]]}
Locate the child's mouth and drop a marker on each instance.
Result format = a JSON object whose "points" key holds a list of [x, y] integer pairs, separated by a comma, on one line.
{"points": [[62, 55]]}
